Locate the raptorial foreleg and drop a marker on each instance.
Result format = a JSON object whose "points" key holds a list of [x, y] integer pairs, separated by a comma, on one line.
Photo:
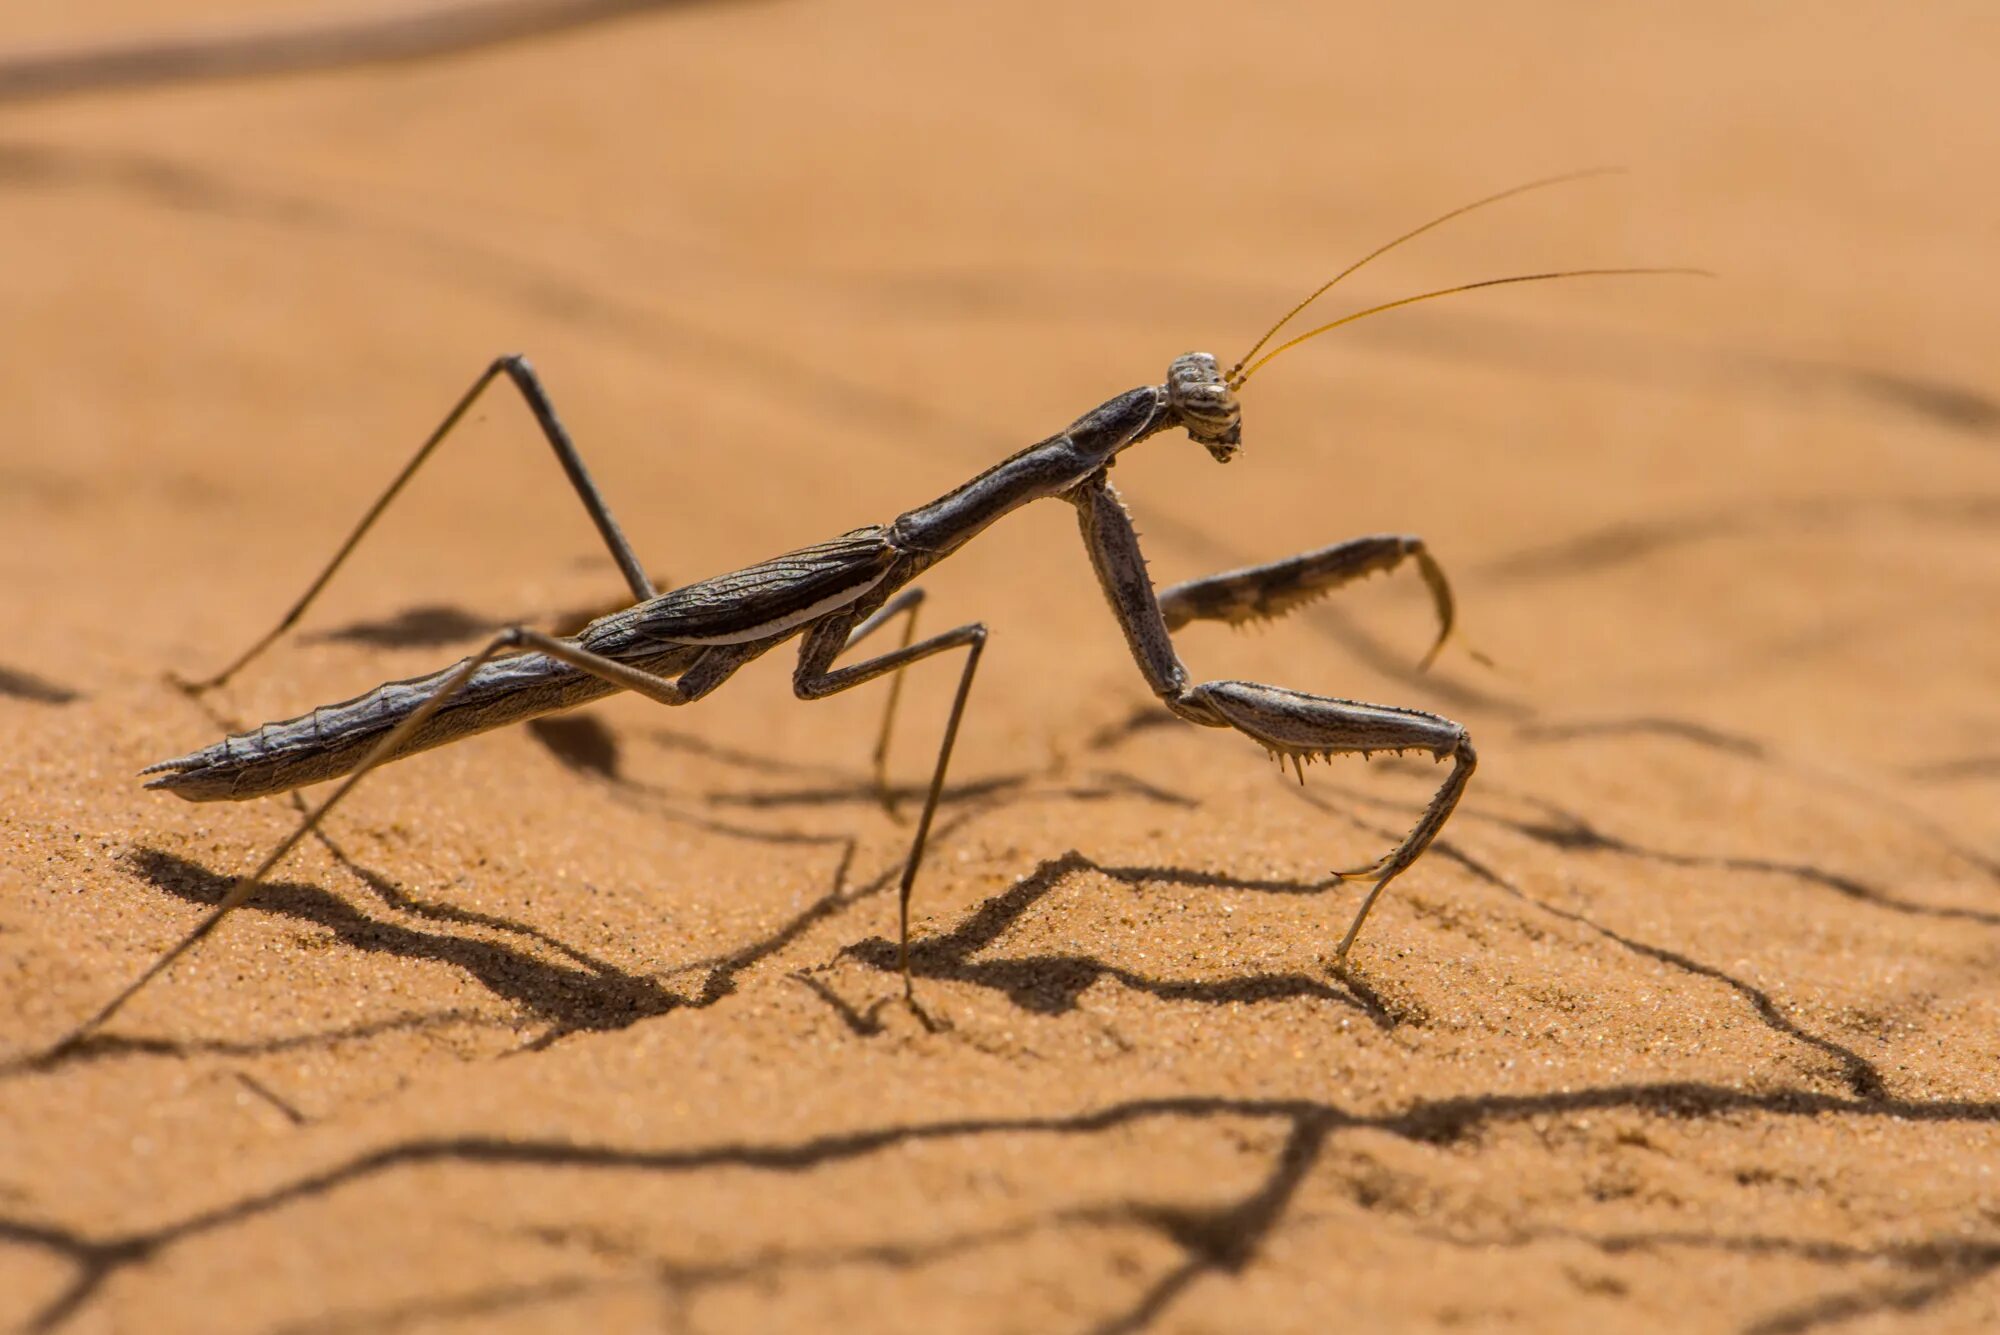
{"points": [[1290, 723], [1271, 590], [1316, 727]]}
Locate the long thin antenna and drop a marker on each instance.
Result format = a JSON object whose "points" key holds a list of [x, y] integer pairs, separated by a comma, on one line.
{"points": [[1237, 379], [1412, 234]]}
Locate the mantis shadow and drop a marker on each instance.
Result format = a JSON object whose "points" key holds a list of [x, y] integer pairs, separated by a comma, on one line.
{"points": [[1051, 984], [584, 994], [110, 1046]]}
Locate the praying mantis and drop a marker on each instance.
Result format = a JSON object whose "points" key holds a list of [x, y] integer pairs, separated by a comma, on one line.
{"points": [[677, 646]]}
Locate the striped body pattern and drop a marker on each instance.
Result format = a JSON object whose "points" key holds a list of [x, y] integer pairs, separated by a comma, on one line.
{"points": [[770, 601]]}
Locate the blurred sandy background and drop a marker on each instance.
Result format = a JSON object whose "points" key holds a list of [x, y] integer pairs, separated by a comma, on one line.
{"points": [[1688, 1023]]}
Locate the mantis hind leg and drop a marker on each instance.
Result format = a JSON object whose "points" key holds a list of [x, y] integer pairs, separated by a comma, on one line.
{"points": [[714, 667], [523, 376]]}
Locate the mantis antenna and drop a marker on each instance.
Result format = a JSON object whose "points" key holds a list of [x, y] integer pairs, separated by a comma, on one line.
{"points": [[1237, 378], [1411, 235]]}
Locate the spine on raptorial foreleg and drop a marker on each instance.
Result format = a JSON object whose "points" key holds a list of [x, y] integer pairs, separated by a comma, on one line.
{"points": [[1315, 727], [332, 740]]}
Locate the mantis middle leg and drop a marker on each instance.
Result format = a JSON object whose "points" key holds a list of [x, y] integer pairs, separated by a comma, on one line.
{"points": [[817, 678]]}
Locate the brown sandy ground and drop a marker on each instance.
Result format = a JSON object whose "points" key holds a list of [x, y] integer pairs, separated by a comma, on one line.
{"points": [[1691, 1021]]}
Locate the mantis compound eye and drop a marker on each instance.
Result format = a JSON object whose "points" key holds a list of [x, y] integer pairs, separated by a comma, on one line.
{"points": [[1205, 404]]}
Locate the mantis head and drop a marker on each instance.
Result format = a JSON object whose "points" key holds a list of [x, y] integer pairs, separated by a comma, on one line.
{"points": [[1205, 404]]}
